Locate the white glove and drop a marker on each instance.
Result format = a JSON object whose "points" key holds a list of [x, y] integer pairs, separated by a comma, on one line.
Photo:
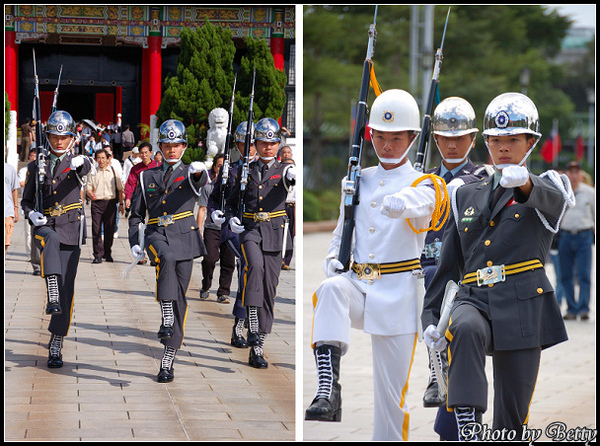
{"points": [[196, 167], [331, 265], [137, 252], [392, 203], [236, 225], [291, 173], [514, 176], [218, 217], [37, 218], [433, 339], [77, 162]]}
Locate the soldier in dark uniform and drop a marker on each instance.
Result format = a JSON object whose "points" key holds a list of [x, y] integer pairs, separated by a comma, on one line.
{"points": [[498, 235], [454, 132], [58, 228], [172, 237], [261, 229], [231, 238]]}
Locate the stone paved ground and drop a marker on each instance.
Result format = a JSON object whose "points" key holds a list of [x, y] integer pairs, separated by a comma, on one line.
{"points": [[565, 390], [107, 389]]}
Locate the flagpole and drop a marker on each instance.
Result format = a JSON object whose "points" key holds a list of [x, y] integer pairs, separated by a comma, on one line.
{"points": [[555, 142]]}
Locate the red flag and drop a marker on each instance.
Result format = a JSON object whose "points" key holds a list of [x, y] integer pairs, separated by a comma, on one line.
{"points": [[580, 148], [551, 146]]}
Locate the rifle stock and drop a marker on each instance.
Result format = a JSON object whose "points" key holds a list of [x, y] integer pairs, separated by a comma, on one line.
{"points": [[351, 186]]}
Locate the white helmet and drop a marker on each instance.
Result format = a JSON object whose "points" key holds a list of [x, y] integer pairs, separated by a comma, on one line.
{"points": [[395, 111]]}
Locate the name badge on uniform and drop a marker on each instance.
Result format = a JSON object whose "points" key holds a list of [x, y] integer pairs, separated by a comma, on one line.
{"points": [[468, 215]]}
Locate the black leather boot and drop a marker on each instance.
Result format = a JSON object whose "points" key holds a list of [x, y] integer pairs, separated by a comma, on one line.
{"points": [[327, 404], [467, 421], [237, 335], [53, 305], [54, 355], [432, 397]]}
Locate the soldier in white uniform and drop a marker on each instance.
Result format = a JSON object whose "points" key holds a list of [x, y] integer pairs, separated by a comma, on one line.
{"points": [[382, 300]]}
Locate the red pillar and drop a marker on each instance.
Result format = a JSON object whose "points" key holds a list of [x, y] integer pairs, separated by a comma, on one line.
{"points": [[155, 74], [277, 50], [11, 85]]}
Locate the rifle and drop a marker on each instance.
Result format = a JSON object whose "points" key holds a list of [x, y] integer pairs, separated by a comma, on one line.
{"points": [[42, 152], [227, 153], [426, 127], [55, 100], [246, 160], [351, 185]]}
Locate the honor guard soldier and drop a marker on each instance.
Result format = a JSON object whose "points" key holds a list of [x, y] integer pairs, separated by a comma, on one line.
{"points": [[231, 238], [172, 237], [379, 292], [454, 131], [495, 242], [58, 231], [261, 233]]}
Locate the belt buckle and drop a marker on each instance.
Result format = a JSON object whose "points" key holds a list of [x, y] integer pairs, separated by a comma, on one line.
{"points": [[165, 220], [432, 250], [262, 216], [368, 271], [490, 275], [57, 211]]}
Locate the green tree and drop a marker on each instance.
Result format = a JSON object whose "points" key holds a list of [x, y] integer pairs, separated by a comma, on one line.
{"points": [[485, 50], [204, 81]]}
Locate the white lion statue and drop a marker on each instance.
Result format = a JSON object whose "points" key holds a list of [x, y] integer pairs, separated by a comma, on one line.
{"points": [[217, 132]]}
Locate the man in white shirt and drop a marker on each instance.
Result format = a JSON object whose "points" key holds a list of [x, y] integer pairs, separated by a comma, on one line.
{"points": [[576, 238]]}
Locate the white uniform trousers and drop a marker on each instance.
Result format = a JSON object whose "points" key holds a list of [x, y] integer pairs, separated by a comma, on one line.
{"points": [[338, 306]]}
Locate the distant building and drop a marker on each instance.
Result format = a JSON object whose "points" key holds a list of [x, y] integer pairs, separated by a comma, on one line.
{"points": [[115, 57]]}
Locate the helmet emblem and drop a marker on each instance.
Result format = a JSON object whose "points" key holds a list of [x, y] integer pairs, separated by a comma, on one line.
{"points": [[60, 127], [171, 134], [270, 134], [388, 116], [502, 120]]}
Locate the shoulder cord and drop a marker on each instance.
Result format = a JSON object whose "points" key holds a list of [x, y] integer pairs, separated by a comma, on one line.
{"points": [[442, 203], [560, 181]]}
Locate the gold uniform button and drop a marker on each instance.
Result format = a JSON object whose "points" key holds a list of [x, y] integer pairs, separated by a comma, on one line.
{"points": [[466, 229], [260, 209], [164, 202], [489, 263], [517, 215], [540, 290], [164, 213], [491, 285], [487, 243], [492, 223], [260, 187], [260, 198]]}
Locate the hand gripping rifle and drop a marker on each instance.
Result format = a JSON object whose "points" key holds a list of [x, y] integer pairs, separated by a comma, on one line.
{"points": [[426, 127], [227, 153], [40, 144], [246, 160], [351, 193]]}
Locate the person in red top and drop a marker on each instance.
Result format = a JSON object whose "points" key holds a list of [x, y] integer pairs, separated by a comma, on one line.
{"points": [[134, 174]]}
